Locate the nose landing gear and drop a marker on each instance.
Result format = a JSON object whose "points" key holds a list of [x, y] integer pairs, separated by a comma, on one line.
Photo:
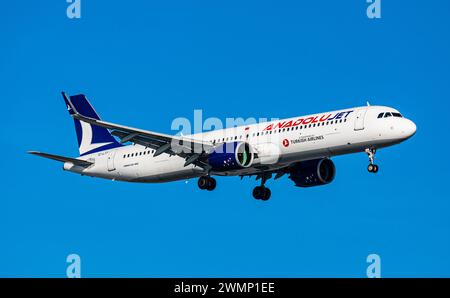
{"points": [[207, 182], [372, 168]]}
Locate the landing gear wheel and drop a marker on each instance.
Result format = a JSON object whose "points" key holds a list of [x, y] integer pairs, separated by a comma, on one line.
{"points": [[375, 169], [257, 191], [261, 193], [267, 194], [211, 184], [202, 182], [206, 182], [372, 168]]}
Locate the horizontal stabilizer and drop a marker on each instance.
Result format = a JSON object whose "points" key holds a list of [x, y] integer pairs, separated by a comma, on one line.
{"points": [[75, 161]]}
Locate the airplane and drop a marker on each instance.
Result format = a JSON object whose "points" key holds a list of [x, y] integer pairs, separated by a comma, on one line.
{"points": [[300, 147]]}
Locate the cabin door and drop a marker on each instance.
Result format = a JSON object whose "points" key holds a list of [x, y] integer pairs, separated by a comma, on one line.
{"points": [[110, 161], [359, 120]]}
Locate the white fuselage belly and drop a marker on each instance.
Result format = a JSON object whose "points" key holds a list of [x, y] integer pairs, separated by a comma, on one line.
{"points": [[359, 130]]}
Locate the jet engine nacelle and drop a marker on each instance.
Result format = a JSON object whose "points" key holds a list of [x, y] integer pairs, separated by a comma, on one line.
{"points": [[231, 156], [313, 172]]}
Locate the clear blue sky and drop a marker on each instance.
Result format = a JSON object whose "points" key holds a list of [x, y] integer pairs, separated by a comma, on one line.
{"points": [[144, 63]]}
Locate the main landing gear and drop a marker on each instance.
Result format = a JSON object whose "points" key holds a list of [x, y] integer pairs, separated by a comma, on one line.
{"points": [[372, 168], [207, 182], [261, 192]]}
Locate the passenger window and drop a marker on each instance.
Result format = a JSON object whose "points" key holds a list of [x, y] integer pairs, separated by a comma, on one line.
{"points": [[380, 115]]}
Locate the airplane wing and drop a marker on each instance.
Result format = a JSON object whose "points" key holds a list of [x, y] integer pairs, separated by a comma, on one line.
{"points": [[190, 149], [75, 161]]}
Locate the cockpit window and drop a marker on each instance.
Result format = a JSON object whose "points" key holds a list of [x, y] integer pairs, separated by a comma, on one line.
{"points": [[389, 114]]}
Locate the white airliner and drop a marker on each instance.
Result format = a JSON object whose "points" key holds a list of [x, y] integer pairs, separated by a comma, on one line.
{"points": [[299, 146]]}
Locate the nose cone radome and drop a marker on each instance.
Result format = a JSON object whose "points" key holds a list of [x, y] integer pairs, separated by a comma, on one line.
{"points": [[408, 128]]}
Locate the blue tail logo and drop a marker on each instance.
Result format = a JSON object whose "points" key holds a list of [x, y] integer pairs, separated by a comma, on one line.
{"points": [[91, 138]]}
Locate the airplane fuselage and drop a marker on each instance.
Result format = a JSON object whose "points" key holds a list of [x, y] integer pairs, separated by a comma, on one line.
{"points": [[278, 143]]}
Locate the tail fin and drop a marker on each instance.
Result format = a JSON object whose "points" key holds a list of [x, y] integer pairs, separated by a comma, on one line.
{"points": [[91, 138]]}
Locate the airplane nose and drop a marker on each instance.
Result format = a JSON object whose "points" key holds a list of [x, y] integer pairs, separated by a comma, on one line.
{"points": [[409, 128]]}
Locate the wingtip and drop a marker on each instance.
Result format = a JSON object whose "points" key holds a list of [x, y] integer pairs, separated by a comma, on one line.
{"points": [[32, 152]]}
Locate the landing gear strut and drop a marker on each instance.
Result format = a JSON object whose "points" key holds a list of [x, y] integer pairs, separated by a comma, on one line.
{"points": [[372, 168], [261, 192], [207, 182]]}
